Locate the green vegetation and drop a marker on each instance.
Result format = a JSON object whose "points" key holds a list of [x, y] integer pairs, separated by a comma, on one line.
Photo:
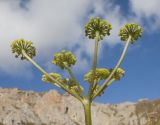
{"points": [[95, 29]]}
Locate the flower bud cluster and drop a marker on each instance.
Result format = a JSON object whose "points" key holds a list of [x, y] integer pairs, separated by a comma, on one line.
{"points": [[55, 76], [133, 30], [100, 74], [119, 73], [18, 45], [64, 57], [97, 25]]}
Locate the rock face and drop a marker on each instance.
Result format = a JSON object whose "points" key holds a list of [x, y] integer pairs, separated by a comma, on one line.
{"points": [[19, 107]]}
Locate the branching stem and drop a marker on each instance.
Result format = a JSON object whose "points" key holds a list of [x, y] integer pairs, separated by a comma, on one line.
{"points": [[94, 65], [71, 74], [57, 83], [103, 86], [110, 82]]}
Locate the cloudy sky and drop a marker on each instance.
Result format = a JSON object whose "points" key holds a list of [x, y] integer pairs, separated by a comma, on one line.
{"points": [[54, 25]]}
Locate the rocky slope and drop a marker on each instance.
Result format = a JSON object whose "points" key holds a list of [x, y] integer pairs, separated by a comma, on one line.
{"points": [[19, 107]]}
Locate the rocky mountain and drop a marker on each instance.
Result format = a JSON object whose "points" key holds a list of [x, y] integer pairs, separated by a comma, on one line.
{"points": [[19, 107]]}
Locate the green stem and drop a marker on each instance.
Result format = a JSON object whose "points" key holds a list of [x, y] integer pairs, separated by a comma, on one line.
{"points": [[57, 83], [70, 72], [109, 83], [34, 63], [94, 85], [87, 111], [115, 68], [72, 75], [94, 65]]}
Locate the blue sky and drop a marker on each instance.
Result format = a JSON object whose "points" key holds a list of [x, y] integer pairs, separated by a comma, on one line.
{"points": [[55, 25]]}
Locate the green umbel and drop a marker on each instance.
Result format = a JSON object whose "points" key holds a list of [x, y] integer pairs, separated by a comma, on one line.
{"points": [[97, 25], [22, 45], [100, 74], [64, 57], [119, 73], [133, 30], [54, 75]]}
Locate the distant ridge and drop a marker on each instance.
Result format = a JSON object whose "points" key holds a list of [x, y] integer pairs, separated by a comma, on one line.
{"points": [[19, 107]]}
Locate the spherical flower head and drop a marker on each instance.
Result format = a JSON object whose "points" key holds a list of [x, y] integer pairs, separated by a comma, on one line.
{"points": [[96, 25], [21, 44], [100, 74], [119, 73], [64, 57], [53, 75], [133, 30]]}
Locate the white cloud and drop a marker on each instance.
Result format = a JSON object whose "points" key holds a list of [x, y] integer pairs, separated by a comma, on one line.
{"points": [[145, 7], [148, 11], [51, 25], [47, 23]]}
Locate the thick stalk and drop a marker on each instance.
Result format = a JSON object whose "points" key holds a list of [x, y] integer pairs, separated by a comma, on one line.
{"points": [[87, 111], [115, 68], [94, 65], [57, 83]]}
